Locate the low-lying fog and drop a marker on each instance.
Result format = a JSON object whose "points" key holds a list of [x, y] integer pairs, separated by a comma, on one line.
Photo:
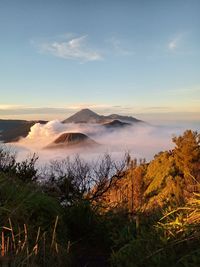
{"points": [[140, 140]]}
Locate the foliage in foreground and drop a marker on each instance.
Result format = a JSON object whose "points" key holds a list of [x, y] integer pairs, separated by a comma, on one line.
{"points": [[70, 220]]}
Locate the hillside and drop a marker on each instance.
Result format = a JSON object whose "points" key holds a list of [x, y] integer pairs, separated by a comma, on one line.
{"points": [[12, 130]]}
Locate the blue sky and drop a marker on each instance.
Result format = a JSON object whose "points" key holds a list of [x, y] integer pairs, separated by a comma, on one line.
{"points": [[112, 56]]}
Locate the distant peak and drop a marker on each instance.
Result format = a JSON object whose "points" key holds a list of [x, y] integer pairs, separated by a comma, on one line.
{"points": [[84, 115], [86, 110]]}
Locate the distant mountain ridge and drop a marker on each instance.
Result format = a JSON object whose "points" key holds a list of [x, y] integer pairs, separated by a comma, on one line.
{"points": [[84, 116], [89, 116]]}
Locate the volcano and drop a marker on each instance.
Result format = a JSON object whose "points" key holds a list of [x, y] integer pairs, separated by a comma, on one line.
{"points": [[71, 140], [84, 116], [89, 116]]}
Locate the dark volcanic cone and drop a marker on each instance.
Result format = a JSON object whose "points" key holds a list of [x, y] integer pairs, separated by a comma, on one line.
{"points": [[72, 140]]}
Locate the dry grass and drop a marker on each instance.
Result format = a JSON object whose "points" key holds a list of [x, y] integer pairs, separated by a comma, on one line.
{"points": [[18, 248]]}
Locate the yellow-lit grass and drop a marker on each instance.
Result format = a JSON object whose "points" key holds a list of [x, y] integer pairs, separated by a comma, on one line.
{"points": [[183, 220]]}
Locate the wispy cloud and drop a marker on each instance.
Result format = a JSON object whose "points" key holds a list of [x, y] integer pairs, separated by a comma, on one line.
{"points": [[75, 48], [186, 91], [14, 110], [9, 106], [120, 47], [174, 42], [158, 109]]}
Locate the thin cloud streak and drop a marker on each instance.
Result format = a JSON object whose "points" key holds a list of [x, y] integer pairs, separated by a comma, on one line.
{"points": [[119, 47], [42, 110], [75, 49]]}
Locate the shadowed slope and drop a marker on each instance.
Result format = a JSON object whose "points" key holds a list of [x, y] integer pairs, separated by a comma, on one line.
{"points": [[116, 124], [13, 130]]}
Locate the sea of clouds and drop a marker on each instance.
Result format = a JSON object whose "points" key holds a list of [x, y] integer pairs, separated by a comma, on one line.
{"points": [[140, 140]]}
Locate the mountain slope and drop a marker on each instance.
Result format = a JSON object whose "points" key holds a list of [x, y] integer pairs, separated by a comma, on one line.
{"points": [[12, 130], [84, 116], [123, 118], [116, 124], [88, 116]]}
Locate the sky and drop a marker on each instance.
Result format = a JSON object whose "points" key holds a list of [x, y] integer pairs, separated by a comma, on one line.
{"points": [[118, 56]]}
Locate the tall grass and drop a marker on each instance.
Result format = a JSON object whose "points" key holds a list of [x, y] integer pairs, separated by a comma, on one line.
{"points": [[19, 248]]}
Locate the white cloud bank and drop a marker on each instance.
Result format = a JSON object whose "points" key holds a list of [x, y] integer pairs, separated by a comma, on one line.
{"points": [[140, 141]]}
